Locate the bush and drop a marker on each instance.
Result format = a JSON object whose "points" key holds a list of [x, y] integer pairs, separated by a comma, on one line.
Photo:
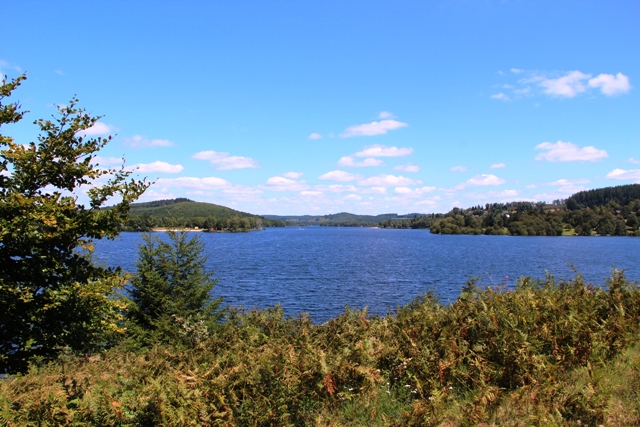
{"points": [[522, 357]]}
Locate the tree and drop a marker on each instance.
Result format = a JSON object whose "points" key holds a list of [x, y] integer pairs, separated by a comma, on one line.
{"points": [[52, 296], [170, 293]]}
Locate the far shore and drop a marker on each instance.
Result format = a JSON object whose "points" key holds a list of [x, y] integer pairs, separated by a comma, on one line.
{"points": [[177, 229]]}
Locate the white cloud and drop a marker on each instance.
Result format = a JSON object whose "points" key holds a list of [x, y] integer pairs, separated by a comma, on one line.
{"points": [[626, 175], [458, 169], [107, 161], [158, 166], [151, 194], [280, 183], [561, 192], [484, 179], [206, 183], [374, 190], [138, 141], [386, 115], [98, 128], [373, 128], [353, 197], [339, 175], [403, 190], [409, 167], [311, 193], [504, 195], [517, 70], [383, 151], [241, 190], [501, 96], [413, 191], [336, 188], [569, 152], [566, 187], [634, 161], [568, 85], [498, 166], [611, 85], [223, 161], [561, 183], [292, 175], [383, 180], [348, 161], [432, 201], [315, 136]]}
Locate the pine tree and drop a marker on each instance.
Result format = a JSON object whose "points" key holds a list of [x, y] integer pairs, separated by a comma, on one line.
{"points": [[52, 297], [170, 292]]}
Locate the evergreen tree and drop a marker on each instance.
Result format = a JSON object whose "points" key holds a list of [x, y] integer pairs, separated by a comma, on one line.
{"points": [[51, 296], [170, 293]]}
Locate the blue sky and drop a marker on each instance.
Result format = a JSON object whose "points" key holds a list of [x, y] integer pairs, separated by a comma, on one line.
{"points": [[317, 107]]}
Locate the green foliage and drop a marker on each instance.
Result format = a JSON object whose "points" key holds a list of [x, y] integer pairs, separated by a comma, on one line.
{"points": [[342, 219], [170, 292], [547, 353], [51, 296], [621, 194], [180, 213], [538, 219], [417, 222]]}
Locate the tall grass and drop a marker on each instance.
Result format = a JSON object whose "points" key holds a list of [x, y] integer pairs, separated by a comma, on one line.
{"points": [[550, 352]]}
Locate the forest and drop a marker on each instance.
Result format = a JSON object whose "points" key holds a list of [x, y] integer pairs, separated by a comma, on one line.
{"points": [[611, 211], [185, 213]]}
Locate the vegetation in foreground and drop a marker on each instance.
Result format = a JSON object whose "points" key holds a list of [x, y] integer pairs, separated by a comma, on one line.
{"points": [[546, 353]]}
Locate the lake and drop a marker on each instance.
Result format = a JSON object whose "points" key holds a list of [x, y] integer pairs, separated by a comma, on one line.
{"points": [[319, 270]]}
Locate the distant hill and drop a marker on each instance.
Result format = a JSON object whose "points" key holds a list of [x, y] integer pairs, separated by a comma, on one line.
{"points": [[184, 208], [621, 194], [342, 219], [187, 213], [610, 211]]}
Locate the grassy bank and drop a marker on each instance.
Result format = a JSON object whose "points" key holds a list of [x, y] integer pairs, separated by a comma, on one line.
{"points": [[549, 352]]}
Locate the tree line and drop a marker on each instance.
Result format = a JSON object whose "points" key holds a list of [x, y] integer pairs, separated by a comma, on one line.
{"points": [[578, 215], [235, 223]]}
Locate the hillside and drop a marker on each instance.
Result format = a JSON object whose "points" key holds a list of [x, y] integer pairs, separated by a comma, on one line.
{"points": [[184, 208], [611, 211], [343, 219], [190, 214], [604, 211]]}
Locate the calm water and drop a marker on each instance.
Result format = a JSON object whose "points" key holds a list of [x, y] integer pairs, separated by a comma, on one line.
{"points": [[321, 269]]}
